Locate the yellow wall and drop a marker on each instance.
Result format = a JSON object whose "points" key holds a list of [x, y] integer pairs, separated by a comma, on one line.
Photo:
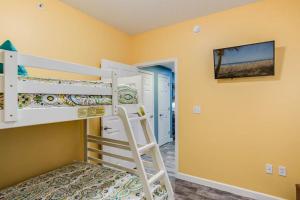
{"points": [[246, 122], [61, 32]]}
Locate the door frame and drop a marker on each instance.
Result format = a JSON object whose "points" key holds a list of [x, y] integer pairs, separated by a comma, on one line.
{"points": [[175, 62]]}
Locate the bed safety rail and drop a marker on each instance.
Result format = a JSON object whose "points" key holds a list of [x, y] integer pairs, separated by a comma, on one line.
{"points": [[10, 86]]}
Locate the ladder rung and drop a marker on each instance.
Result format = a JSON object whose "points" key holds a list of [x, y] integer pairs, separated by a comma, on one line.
{"points": [[138, 118], [156, 177], [148, 164], [110, 144], [145, 148], [120, 167], [101, 152], [108, 140]]}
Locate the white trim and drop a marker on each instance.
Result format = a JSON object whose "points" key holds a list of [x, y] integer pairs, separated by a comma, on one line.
{"points": [[158, 62], [161, 62], [51, 64], [146, 72], [35, 116], [227, 188]]}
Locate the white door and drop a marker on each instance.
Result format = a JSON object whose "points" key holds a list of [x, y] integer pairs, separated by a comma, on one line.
{"points": [[122, 69], [164, 128], [148, 95], [112, 126]]}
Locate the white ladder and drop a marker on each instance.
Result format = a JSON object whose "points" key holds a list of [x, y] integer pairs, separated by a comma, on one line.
{"points": [[151, 148]]}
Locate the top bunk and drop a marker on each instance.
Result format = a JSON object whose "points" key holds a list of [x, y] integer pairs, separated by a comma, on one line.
{"points": [[28, 101]]}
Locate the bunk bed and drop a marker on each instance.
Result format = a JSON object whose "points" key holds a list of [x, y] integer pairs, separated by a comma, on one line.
{"points": [[26, 101]]}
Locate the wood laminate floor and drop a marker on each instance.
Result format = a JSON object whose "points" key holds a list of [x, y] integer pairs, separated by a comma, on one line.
{"points": [[189, 191]]}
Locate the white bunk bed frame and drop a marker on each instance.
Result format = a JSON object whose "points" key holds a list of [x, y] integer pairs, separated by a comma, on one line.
{"points": [[11, 116]]}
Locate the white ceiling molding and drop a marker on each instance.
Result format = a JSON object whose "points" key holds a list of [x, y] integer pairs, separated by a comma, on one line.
{"points": [[136, 16]]}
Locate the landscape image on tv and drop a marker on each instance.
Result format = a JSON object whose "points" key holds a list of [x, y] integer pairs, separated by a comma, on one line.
{"points": [[245, 61]]}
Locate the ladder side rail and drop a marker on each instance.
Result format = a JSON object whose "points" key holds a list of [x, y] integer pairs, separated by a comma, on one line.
{"points": [[149, 140], [136, 155], [148, 130], [165, 179]]}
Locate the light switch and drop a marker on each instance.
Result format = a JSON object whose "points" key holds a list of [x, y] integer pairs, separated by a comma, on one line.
{"points": [[269, 169], [282, 171], [197, 109]]}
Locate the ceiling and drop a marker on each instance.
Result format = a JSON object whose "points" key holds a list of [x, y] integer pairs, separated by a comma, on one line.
{"points": [[136, 16]]}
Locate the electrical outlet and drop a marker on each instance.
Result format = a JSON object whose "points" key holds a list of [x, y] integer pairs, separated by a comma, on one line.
{"points": [[282, 171], [269, 169]]}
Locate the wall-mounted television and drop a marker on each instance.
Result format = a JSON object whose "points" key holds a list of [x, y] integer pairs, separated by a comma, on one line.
{"points": [[245, 61]]}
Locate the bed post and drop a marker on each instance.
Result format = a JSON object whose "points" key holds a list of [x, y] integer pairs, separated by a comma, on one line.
{"points": [[114, 93], [10, 69], [85, 139]]}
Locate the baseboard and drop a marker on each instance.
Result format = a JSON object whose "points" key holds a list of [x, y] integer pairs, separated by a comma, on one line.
{"points": [[226, 187]]}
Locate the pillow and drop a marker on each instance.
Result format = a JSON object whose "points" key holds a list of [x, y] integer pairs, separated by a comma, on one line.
{"points": [[7, 45]]}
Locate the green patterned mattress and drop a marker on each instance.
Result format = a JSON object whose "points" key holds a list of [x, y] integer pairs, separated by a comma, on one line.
{"points": [[127, 94], [81, 181]]}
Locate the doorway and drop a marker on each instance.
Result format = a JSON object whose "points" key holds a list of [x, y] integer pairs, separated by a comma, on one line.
{"points": [[146, 87], [165, 112]]}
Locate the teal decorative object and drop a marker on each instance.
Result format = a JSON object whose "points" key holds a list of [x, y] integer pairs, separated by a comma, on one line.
{"points": [[8, 45]]}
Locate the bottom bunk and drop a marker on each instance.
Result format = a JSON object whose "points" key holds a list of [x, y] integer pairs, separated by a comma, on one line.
{"points": [[82, 181]]}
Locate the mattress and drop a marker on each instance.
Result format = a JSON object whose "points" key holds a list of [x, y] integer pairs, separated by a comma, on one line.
{"points": [[127, 94], [81, 181]]}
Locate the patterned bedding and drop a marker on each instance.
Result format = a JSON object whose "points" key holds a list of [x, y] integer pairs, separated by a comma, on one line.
{"points": [[81, 181], [127, 94]]}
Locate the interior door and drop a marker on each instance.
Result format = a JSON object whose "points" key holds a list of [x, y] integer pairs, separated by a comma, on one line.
{"points": [[122, 69], [164, 128], [112, 126], [148, 95]]}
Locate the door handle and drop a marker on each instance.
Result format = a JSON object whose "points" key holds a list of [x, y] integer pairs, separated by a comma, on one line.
{"points": [[161, 115], [151, 116], [106, 128]]}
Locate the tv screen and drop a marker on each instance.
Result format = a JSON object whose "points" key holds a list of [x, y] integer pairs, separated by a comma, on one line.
{"points": [[245, 61]]}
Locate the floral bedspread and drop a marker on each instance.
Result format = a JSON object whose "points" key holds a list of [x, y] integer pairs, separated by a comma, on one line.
{"points": [[126, 94], [81, 181]]}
